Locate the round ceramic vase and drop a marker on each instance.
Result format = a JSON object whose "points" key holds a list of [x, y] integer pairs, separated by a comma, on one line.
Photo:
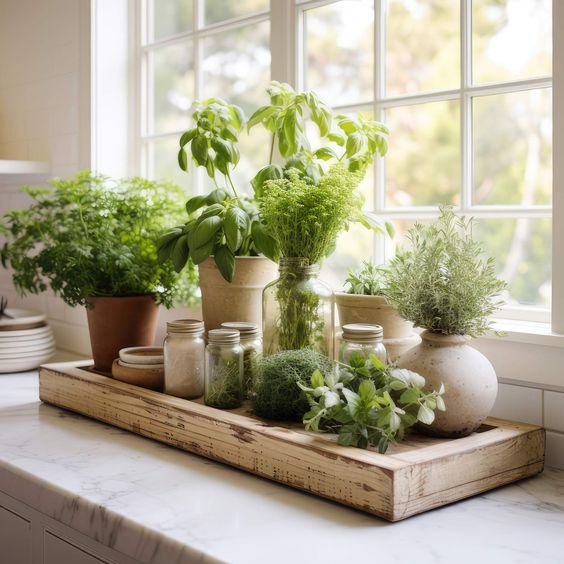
{"points": [[468, 376]]}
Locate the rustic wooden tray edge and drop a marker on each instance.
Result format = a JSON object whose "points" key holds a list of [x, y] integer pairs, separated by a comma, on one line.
{"points": [[391, 486]]}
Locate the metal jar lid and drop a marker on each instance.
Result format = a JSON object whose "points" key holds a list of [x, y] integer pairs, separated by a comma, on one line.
{"points": [[224, 336], [192, 326], [245, 328], [362, 332]]}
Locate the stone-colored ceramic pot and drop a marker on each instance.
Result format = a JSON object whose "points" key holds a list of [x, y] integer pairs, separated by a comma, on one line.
{"points": [[240, 300], [468, 376], [375, 310]]}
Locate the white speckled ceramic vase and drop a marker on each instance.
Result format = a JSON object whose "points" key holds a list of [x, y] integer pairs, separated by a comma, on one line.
{"points": [[469, 378]]}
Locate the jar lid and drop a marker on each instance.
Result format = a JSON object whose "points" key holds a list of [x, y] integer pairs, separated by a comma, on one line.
{"points": [[185, 326], [362, 332], [224, 336], [245, 328]]}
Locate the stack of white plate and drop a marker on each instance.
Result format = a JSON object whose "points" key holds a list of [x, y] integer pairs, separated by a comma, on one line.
{"points": [[26, 341]]}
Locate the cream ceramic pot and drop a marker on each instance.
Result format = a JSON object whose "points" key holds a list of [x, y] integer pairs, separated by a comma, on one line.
{"points": [[375, 310], [240, 300], [468, 376]]}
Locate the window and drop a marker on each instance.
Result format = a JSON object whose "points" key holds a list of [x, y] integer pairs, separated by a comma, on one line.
{"points": [[194, 49], [465, 87]]}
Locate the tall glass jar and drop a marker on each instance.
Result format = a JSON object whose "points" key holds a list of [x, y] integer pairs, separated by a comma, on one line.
{"points": [[362, 338], [184, 348], [298, 310], [224, 369], [251, 341]]}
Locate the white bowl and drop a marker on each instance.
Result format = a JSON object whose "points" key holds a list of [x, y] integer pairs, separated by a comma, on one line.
{"points": [[142, 355], [21, 317], [141, 366], [25, 333], [28, 363], [27, 344], [16, 355]]}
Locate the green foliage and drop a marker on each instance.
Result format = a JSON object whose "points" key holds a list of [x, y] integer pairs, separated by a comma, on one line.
{"points": [[368, 403], [351, 141], [306, 218], [443, 284], [368, 281], [90, 236], [275, 394]]}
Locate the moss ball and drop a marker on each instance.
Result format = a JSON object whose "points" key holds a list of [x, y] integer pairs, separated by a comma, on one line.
{"points": [[276, 394]]}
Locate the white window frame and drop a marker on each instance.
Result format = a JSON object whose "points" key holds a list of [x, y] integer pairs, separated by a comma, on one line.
{"points": [[287, 60]]}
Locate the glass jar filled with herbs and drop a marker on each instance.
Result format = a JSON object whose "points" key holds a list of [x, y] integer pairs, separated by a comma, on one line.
{"points": [[251, 341], [362, 338], [224, 369]]}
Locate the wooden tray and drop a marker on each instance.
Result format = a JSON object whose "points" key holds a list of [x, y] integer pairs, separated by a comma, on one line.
{"points": [[419, 474]]}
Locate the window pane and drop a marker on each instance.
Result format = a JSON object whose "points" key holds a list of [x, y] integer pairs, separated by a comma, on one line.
{"points": [[171, 80], [236, 65], [423, 162], [339, 51], [513, 148], [511, 39], [353, 246], [522, 249], [423, 45], [221, 10], [162, 160], [170, 17]]}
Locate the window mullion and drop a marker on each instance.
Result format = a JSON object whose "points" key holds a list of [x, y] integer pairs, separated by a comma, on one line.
{"points": [[466, 150]]}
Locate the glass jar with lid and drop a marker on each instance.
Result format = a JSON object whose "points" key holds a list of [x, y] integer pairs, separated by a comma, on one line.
{"points": [[362, 338], [251, 341], [184, 348], [224, 369]]}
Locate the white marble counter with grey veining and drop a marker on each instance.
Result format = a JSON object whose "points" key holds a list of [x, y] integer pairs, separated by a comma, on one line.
{"points": [[160, 505]]}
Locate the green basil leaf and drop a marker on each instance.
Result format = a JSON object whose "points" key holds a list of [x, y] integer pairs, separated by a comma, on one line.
{"points": [[205, 230], [183, 160], [236, 221], [269, 172], [195, 203], [187, 136], [200, 150], [216, 196], [265, 243], [179, 253], [214, 209], [325, 153], [200, 254], [225, 261]]}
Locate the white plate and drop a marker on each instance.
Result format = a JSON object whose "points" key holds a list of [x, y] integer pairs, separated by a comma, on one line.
{"points": [[25, 332], [27, 354], [28, 343], [24, 364], [21, 317]]}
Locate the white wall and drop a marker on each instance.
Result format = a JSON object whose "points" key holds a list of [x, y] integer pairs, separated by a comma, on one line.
{"points": [[45, 116]]}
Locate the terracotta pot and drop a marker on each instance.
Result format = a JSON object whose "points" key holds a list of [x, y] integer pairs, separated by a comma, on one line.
{"points": [[116, 323], [240, 300], [149, 376], [468, 376], [398, 333]]}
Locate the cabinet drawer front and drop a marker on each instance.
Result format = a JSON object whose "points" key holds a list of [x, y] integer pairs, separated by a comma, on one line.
{"points": [[59, 551], [15, 537]]}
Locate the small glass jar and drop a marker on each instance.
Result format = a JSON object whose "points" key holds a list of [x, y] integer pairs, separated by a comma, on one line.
{"points": [[298, 310], [184, 349], [224, 369], [251, 341], [362, 338]]}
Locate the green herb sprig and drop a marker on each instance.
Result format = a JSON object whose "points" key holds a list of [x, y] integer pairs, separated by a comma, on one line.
{"points": [[368, 403], [368, 281], [443, 283], [92, 236]]}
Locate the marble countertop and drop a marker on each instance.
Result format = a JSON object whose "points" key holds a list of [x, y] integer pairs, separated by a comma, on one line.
{"points": [[160, 505]]}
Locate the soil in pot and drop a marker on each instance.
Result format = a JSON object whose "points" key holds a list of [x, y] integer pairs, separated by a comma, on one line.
{"points": [[240, 300], [119, 322], [468, 376]]}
